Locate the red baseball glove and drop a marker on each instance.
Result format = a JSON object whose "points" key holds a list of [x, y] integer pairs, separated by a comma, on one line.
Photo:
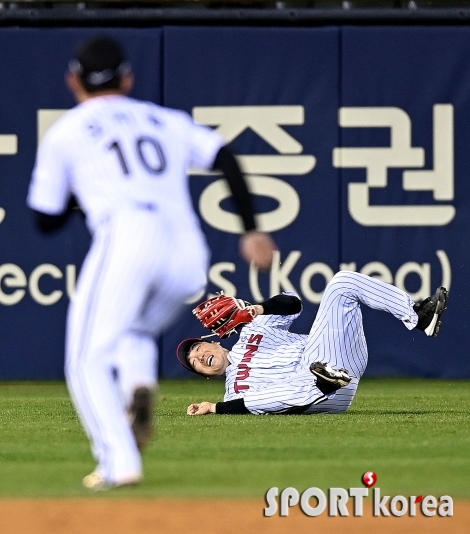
{"points": [[224, 315]]}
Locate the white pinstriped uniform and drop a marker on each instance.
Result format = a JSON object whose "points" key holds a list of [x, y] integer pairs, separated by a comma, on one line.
{"points": [[126, 163], [269, 366]]}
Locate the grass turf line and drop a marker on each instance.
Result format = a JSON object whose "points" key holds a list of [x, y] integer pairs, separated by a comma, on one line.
{"points": [[414, 433]]}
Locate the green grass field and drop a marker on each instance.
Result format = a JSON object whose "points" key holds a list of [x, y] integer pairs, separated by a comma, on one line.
{"points": [[415, 434]]}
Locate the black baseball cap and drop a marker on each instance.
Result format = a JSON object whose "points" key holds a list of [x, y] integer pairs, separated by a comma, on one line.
{"points": [[183, 350], [100, 63]]}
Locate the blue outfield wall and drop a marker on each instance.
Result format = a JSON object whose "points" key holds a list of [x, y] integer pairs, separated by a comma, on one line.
{"points": [[355, 143]]}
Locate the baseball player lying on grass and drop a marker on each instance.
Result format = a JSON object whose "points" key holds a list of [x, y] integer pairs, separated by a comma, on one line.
{"points": [[273, 371]]}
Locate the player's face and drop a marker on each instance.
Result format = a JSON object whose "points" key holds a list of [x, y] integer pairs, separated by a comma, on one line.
{"points": [[208, 358]]}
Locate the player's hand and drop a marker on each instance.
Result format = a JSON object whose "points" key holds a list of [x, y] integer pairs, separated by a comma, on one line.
{"points": [[201, 408], [257, 247]]}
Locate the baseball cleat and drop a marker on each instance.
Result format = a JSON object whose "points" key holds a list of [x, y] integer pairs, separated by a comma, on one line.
{"points": [[329, 380], [140, 415], [429, 312], [95, 481]]}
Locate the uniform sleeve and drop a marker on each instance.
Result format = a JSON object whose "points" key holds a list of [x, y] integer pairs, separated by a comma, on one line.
{"points": [[282, 305], [205, 143], [233, 407], [49, 187], [226, 162], [284, 320], [283, 397]]}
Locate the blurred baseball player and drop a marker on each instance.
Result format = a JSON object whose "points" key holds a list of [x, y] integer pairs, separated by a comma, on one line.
{"points": [[125, 163], [273, 371]]}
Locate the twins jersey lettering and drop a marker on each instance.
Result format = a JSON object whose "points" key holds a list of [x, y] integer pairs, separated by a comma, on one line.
{"points": [[277, 378], [243, 368]]}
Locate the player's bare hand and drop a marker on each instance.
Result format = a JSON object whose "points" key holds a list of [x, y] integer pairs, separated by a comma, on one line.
{"points": [[201, 408], [257, 247]]}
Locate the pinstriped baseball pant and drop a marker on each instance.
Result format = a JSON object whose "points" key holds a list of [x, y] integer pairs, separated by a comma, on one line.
{"points": [[134, 281], [337, 335]]}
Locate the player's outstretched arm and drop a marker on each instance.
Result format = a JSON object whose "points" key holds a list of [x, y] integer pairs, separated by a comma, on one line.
{"points": [[233, 407], [255, 246]]}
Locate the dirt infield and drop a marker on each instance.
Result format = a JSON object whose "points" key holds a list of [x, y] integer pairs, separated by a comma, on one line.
{"points": [[178, 516]]}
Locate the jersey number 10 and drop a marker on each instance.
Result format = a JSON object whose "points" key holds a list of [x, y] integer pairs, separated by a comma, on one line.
{"points": [[149, 153]]}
